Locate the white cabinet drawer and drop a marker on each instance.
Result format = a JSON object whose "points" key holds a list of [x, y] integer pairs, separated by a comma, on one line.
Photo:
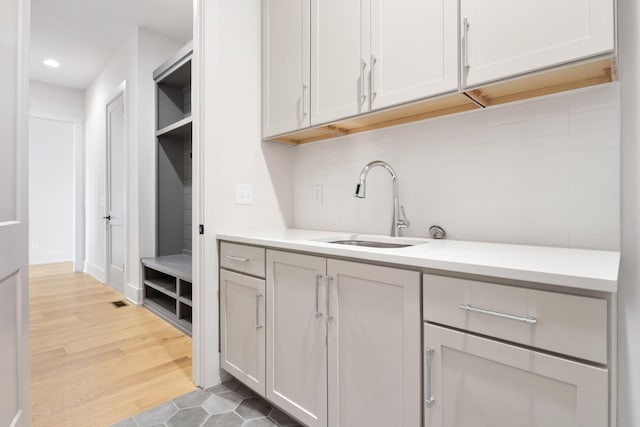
{"points": [[242, 258], [567, 324]]}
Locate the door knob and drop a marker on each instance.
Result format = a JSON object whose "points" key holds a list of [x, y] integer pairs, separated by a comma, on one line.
{"points": [[108, 217]]}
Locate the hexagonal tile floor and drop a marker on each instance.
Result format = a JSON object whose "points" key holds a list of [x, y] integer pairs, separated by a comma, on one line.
{"points": [[230, 404]]}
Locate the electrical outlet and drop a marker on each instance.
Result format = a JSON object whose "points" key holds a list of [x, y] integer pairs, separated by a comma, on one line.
{"points": [[317, 194], [244, 194]]}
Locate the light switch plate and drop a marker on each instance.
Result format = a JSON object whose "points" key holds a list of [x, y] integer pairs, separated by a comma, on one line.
{"points": [[316, 192], [244, 194]]}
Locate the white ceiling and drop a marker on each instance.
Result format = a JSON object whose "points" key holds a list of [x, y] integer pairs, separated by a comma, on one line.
{"points": [[83, 34]]}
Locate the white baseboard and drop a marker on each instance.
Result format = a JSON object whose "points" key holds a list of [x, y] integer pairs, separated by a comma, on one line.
{"points": [[133, 293], [96, 272]]}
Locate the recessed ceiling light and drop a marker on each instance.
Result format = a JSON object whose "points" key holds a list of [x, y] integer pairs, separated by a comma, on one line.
{"points": [[51, 63]]}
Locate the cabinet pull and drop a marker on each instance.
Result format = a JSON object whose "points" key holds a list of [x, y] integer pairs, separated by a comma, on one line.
{"points": [[258, 325], [237, 258], [363, 95], [317, 313], [329, 316], [530, 320], [374, 61], [465, 45], [304, 100], [428, 398]]}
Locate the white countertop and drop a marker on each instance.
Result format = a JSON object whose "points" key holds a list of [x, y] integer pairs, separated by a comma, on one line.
{"points": [[576, 268]]}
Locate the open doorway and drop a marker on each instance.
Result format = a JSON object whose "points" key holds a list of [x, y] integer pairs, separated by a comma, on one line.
{"points": [[97, 355]]}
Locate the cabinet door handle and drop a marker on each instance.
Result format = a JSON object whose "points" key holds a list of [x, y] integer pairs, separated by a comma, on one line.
{"points": [[317, 313], [428, 398], [329, 316], [304, 100], [531, 320], [258, 325], [237, 258], [374, 93], [363, 95], [465, 45]]}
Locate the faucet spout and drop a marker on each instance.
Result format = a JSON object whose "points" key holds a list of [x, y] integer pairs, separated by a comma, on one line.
{"points": [[397, 223]]}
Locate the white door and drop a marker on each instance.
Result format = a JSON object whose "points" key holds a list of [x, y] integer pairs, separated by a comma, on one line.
{"points": [[484, 383], [414, 50], [509, 38], [286, 61], [338, 75], [115, 200], [296, 336], [242, 332], [373, 345], [14, 279]]}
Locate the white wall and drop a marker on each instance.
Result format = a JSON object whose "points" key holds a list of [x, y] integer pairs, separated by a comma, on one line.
{"points": [[543, 172], [119, 69], [65, 104], [50, 191], [233, 151], [629, 293], [134, 64]]}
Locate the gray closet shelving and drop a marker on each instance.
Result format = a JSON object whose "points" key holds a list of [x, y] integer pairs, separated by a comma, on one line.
{"points": [[167, 277]]}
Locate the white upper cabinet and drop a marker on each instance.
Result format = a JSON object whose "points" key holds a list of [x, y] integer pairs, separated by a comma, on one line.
{"points": [[286, 75], [503, 39], [337, 75], [414, 50]]}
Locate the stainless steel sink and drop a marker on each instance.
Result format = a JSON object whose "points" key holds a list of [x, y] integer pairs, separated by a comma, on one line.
{"points": [[370, 244], [372, 241]]}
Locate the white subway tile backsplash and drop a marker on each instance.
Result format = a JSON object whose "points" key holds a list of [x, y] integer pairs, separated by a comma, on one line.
{"points": [[543, 171], [505, 114], [546, 126], [595, 119], [594, 98], [552, 106]]}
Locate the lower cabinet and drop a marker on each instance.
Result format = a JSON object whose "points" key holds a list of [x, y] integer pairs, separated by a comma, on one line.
{"points": [[475, 381], [242, 330], [342, 346]]}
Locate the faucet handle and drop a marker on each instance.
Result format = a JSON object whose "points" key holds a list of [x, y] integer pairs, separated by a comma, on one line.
{"points": [[402, 222]]}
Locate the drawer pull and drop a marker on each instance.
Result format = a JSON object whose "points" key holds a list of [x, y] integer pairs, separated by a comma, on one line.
{"points": [[530, 320], [237, 258]]}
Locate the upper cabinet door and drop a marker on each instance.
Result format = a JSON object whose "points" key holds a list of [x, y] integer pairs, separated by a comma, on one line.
{"points": [[337, 73], [286, 75], [502, 39], [414, 50]]}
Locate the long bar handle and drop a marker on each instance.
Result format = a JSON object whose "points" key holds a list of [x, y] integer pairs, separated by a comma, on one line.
{"points": [[304, 100], [531, 320], [237, 258], [465, 46], [258, 325], [363, 95], [329, 316], [317, 313], [374, 93], [429, 400]]}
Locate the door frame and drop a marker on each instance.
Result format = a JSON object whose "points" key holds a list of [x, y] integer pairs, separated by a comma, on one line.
{"points": [[200, 372], [121, 91], [78, 183]]}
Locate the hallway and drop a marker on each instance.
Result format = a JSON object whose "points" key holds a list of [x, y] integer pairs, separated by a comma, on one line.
{"points": [[93, 364]]}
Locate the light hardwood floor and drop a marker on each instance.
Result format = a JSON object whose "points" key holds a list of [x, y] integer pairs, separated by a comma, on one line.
{"points": [[93, 364]]}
